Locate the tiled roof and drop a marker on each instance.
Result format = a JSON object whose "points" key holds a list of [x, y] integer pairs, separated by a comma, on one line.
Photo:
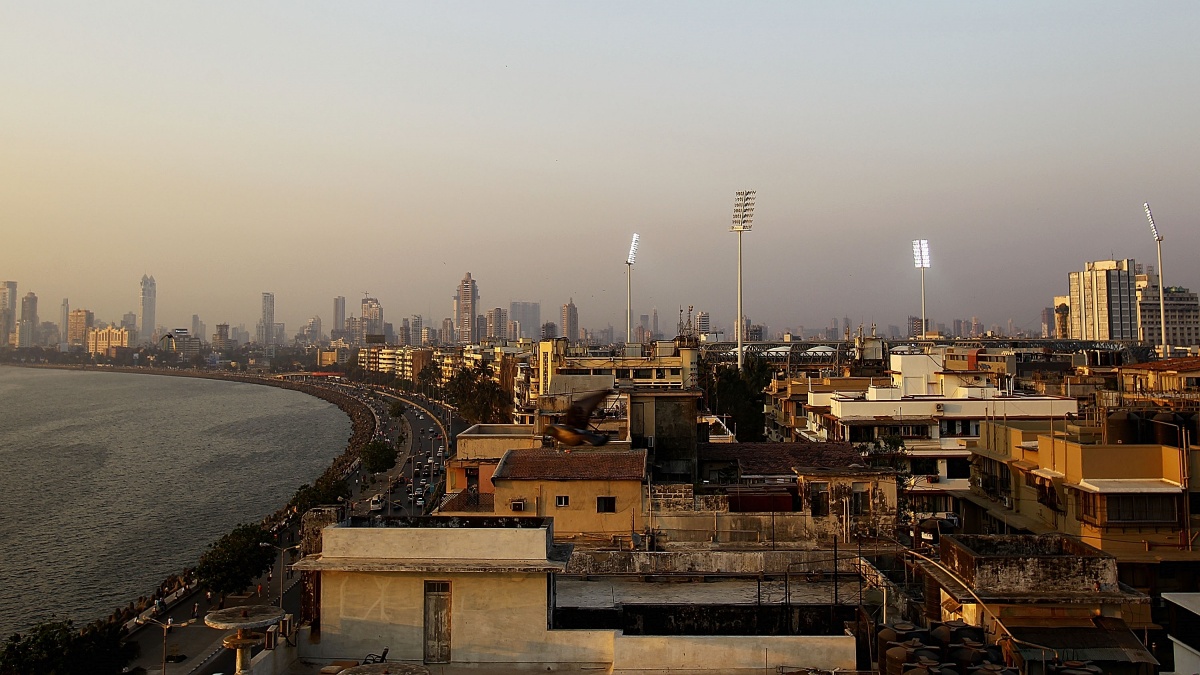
{"points": [[778, 459], [481, 502], [550, 464]]}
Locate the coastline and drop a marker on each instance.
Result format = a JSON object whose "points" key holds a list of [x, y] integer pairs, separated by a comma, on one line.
{"points": [[180, 587]]}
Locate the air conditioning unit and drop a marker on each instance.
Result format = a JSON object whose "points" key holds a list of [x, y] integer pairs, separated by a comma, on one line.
{"points": [[940, 407], [517, 505], [271, 637], [285, 625], [1007, 501]]}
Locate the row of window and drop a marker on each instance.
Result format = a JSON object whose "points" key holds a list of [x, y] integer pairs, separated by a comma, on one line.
{"points": [[859, 502], [603, 504]]}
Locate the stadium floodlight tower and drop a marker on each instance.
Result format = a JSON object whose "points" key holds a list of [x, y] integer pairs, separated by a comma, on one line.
{"points": [[921, 262], [633, 246], [743, 220], [1162, 304]]}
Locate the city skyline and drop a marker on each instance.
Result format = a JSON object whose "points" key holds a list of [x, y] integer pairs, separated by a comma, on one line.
{"points": [[1020, 140]]}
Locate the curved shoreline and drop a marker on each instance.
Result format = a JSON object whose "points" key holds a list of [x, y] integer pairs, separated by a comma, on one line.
{"points": [[362, 427]]}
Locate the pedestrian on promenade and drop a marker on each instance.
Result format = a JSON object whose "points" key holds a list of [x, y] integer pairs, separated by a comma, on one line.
{"points": [[221, 602], [208, 598], [260, 590], [196, 610], [270, 575]]}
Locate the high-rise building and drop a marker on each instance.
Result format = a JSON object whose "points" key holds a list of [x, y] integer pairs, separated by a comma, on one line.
{"points": [[570, 320], [1103, 301], [372, 317], [311, 333], [29, 308], [221, 341], [703, 323], [339, 312], [129, 320], [529, 315], [447, 334], [1048, 322], [198, 327], [1183, 312], [79, 322], [8, 311], [654, 324], [466, 305], [497, 323], [266, 331], [549, 330], [149, 299], [415, 326], [64, 319]]}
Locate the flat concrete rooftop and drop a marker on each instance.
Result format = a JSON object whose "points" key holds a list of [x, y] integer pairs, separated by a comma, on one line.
{"points": [[608, 592]]}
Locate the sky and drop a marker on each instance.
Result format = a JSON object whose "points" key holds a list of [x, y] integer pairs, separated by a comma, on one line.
{"points": [[324, 149]]}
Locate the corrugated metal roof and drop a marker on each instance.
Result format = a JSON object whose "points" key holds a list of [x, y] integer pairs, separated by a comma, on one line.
{"points": [[1109, 640]]}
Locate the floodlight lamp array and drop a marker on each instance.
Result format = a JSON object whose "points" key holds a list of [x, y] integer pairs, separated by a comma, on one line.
{"points": [[920, 253], [743, 210], [633, 247], [1153, 227]]}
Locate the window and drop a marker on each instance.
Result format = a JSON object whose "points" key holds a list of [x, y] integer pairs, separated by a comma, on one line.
{"points": [[818, 499], [924, 466], [562, 500], [1141, 508], [958, 467], [606, 504], [860, 499]]}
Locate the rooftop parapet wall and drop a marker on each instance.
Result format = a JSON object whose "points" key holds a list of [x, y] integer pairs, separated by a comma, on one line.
{"points": [[1018, 564], [444, 538]]}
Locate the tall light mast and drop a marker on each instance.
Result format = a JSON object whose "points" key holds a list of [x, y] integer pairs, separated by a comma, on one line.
{"points": [[921, 262], [633, 246], [1162, 290], [743, 220]]}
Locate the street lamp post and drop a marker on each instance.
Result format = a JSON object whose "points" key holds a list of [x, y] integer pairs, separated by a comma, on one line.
{"points": [[1162, 304], [743, 220], [282, 550], [921, 262], [166, 628]]}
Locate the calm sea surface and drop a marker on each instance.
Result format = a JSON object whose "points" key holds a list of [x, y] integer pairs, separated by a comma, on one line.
{"points": [[110, 482]]}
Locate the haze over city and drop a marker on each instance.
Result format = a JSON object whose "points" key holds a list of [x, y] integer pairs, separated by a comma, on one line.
{"points": [[324, 150]]}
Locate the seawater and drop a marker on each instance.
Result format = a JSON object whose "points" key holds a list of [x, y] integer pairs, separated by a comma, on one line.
{"points": [[111, 482]]}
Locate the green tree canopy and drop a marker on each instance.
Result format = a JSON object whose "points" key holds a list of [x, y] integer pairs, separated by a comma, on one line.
{"points": [[479, 398], [378, 456], [232, 563], [58, 648], [324, 491], [739, 395], [397, 409]]}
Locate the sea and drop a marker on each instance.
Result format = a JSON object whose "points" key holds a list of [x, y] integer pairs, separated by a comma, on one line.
{"points": [[111, 482]]}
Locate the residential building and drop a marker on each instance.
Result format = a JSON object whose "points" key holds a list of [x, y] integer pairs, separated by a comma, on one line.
{"points": [[1163, 378], [198, 327], [1103, 301], [1184, 612], [79, 322], [549, 330], [570, 321], [497, 324], [146, 317], [8, 312], [703, 323], [102, 341], [372, 317], [221, 340], [1183, 313]]}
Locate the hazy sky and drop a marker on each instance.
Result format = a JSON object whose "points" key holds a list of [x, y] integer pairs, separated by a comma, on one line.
{"points": [[316, 150]]}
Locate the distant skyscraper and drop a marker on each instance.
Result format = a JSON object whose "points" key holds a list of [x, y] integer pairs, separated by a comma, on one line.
{"points": [[339, 312], [64, 320], [372, 316], [529, 315], [447, 333], [415, 326], [29, 308], [79, 322], [549, 330], [266, 333], [654, 323], [570, 320], [497, 323], [466, 305], [8, 311], [703, 323], [149, 299]]}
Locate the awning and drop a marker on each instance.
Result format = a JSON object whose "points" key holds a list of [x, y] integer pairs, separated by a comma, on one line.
{"points": [[1022, 464], [1048, 474], [1129, 486]]}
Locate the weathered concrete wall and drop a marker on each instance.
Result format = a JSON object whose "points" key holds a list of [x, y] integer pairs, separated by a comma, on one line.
{"points": [[580, 515], [677, 654], [725, 527], [599, 563], [436, 542], [670, 497], [494, 619], [1048, 564]]}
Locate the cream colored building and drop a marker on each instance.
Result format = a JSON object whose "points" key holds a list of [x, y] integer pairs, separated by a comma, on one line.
{"points": [[480, 592], [99, 341]]}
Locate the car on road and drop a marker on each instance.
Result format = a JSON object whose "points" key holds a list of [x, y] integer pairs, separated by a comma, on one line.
{"points": [[421, 501]]}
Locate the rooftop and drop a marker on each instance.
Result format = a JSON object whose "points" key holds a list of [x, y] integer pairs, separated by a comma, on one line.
{"points": [[1188, 363], [781, 458], [551, 464]]}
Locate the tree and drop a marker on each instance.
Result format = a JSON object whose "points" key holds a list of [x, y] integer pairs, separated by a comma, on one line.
{"points": [[427, 380], [57, 647], [325, 491], [378, 456], [397, 409], [740, 395], [229, 565], [479, 398]]}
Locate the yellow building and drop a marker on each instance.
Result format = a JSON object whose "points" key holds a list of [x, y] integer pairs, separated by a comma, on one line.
{"points": [[99, 341]]}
